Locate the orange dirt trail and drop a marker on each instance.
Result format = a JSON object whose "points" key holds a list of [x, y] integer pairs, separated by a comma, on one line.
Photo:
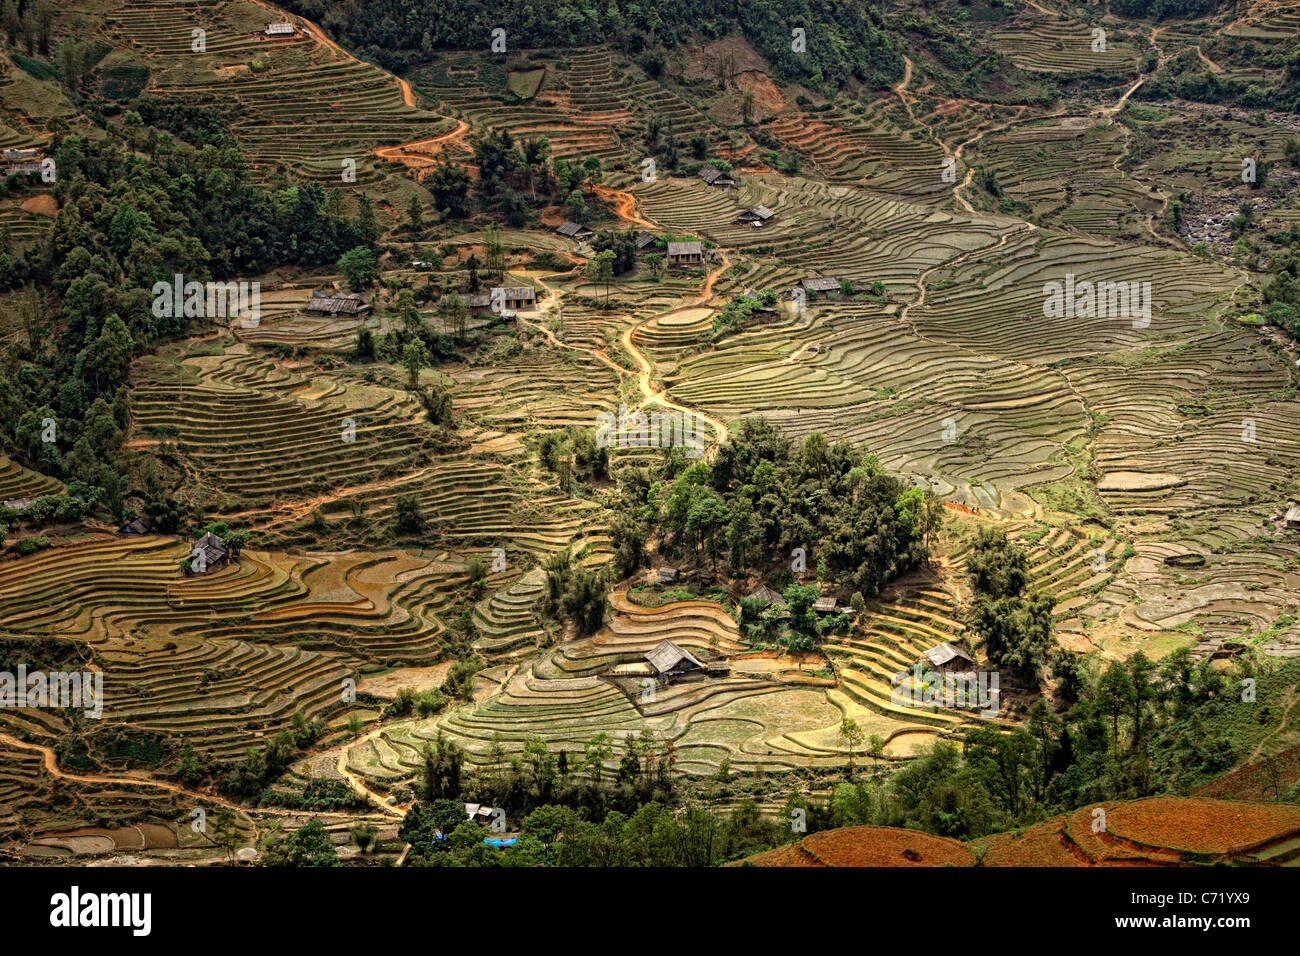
{"points": [[420, 152], [624, 204]]}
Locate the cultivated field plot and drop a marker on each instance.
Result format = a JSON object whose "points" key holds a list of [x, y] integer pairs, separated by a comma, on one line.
{"points": [[284, 93], [1141, 445]]}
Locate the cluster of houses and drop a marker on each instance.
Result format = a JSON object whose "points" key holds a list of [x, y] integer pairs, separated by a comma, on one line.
{"points": [[766, 597], [22, 162], [756, 216], [21, 504], [684, 254], [512, 299]]}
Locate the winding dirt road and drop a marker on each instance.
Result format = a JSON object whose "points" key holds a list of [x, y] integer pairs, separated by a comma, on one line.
{"points": [[200, 799], [624, 205], [421, 153]]}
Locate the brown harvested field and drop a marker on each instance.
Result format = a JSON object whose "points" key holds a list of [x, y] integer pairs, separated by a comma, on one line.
{"points": [[1201, 825], [886, 846], [785, 856], [1156, 831], [1043, 844], [388, 684]]}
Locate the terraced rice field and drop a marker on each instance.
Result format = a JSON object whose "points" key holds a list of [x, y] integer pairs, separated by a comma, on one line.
{"points": [[282, 91], [1105, 444]]}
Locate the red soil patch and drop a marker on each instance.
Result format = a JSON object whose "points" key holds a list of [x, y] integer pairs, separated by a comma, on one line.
{"points": [[792, 855], [767, 95], [552, 215], [42, 204], [1044, 844], [1202, 825], [1156, 831], [886, 846]]}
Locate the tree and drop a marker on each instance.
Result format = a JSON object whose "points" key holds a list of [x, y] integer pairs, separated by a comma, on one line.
{"points": [[415, 212], [997, 567], [365, 349], [601, 270], [494, 252], [851, 736], [359, 268], [594, 756], [575, 207], [415, 357], [367, 222], [363, 833], [407, 515], [449, 186], [309, 845], [454, 312]]}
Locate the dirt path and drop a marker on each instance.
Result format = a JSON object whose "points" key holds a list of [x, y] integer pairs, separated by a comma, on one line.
{"points": [[1214, 67], [645, 369], [358, 784], [624, 205], [419, 153], [970, 170], [1291, 698], [52, 766], [1251, 13], [297, 510], [901, 88]]}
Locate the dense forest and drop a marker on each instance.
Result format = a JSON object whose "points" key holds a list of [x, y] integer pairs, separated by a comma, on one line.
{"points": [[844, 38], [766, 495]]}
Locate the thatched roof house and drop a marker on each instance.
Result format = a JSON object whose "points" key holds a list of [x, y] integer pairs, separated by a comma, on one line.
{"points": [[212, 552], [758, 215], [716, 177], [820, 284], [765, 595], [668, 658], [949, 657], [685, 253], [337, 303], [515, 297], [573, 230]]}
